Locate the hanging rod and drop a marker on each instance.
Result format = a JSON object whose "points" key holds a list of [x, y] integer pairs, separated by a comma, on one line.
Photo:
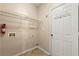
{"points": [[15, 15]]}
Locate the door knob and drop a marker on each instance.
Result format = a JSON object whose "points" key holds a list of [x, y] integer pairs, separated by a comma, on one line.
{"points": [[51, 34]]}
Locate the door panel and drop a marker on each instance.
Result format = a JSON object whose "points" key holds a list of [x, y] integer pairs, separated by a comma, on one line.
{"points": [[64, 39], [67, 48], [57, 31]]}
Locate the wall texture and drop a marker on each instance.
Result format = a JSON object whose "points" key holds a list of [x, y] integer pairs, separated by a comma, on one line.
{"points": [[26, 9], [45, 29], [25, 35]]}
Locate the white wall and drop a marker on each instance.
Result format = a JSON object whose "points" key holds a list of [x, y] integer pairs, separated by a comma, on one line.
{"points": [[45, 30], [23, 8], [25, 37]]}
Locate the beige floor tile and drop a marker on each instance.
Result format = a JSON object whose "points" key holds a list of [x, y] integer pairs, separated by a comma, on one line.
{"points": [[35, 52]]}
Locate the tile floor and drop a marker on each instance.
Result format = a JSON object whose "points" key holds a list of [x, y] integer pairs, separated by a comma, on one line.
{"points": [[35, 52]]}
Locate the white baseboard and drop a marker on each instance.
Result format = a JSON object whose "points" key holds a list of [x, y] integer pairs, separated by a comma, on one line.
{"points": [[25, 51], [43, 50], [31, 50]]}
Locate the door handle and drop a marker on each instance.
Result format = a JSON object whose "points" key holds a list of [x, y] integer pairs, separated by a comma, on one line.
{"points": [[51, 34]]}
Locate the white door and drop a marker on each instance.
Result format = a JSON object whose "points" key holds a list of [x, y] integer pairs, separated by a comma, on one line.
{"points": [[65, 30]]}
